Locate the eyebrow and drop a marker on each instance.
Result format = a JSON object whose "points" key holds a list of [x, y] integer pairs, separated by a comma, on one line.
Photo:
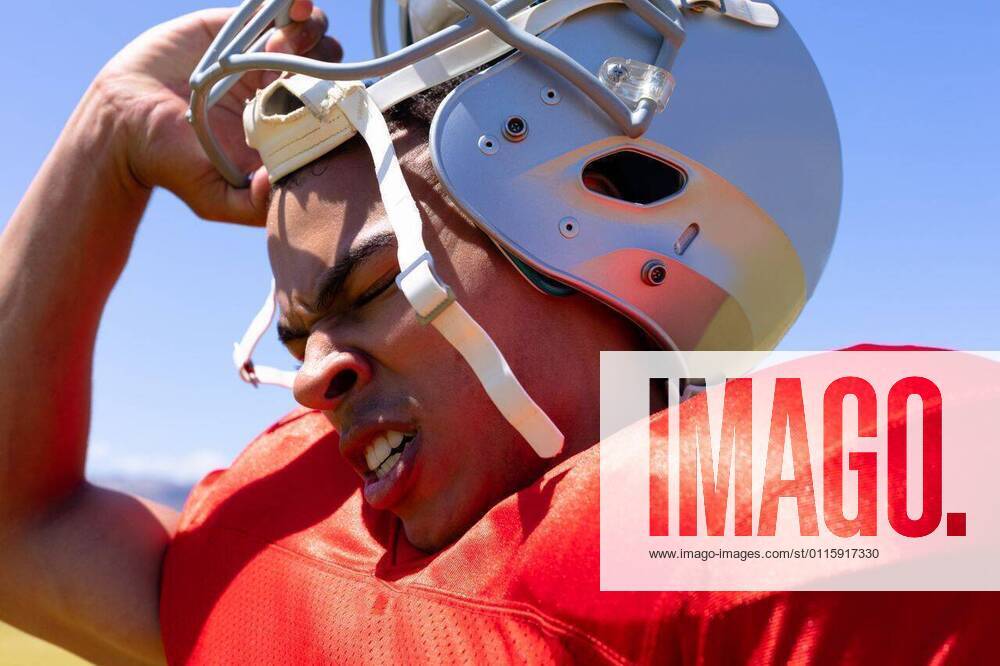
{"points": [[331, 281]]}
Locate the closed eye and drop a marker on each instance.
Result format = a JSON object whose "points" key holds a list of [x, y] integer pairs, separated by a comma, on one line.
{"points": [[376, 290], [290, 337]]}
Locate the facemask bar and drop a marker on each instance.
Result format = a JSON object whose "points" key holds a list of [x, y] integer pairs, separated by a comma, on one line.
{"points": [[380, 44], [759, 14], [226, 58]]}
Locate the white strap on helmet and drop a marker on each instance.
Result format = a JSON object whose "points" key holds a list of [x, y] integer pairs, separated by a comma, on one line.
{"points": [[432, 300], [760, 14], [243, 350]]}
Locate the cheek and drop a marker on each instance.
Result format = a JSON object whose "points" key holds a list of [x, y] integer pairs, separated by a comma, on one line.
{"points": [[408, 354]]}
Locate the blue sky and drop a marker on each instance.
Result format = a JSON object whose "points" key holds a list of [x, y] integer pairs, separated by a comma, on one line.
{"points": [[915, 91]]}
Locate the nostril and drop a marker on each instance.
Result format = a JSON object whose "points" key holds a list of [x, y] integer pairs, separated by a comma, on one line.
{"points": [[341, 384]]}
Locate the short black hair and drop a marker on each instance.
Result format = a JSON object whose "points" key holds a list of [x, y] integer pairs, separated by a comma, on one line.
{"points": [[422, 106]]}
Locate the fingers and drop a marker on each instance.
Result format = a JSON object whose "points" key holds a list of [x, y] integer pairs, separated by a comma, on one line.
{"points": [[328, 50], [221, 202], [248, 205], [213, 199], [304, 37], [260, 195], [300, 10], [299, 37]]}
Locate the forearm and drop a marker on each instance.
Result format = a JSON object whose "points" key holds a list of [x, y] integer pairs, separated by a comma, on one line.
{"points": [[60, 255]]}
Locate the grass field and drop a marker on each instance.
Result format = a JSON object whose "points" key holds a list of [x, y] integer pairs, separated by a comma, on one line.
{"points": [[20, 649]]}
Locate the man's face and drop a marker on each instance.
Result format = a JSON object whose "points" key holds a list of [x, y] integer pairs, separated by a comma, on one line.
{"points": [[402, 398]]}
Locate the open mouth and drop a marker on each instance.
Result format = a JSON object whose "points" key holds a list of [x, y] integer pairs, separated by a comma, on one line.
{"points": [[386, 451], [391, 459]]}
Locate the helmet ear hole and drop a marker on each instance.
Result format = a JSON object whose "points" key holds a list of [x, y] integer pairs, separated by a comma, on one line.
{"points": [[628, 175]]}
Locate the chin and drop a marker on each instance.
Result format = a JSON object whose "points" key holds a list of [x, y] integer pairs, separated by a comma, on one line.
{"points": [[432, 526], [435, 524], [430, 538]]}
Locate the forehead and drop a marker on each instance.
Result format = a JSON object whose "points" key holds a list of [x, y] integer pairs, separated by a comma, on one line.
{"points": [[326, 207], [320, 210]]}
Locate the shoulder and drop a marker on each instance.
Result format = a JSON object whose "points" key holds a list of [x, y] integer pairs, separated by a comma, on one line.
{"points": [[276, 458], [258, 535]]}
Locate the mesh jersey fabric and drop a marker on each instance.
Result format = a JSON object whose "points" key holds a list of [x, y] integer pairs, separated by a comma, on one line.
{"points": [[278, 560]]}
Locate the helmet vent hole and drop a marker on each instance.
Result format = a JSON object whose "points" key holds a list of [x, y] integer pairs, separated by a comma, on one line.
{"points": [[281, 103], [628, 175]]}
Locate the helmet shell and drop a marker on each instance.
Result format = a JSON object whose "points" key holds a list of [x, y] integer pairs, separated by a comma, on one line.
{"points": [[751, 128]]}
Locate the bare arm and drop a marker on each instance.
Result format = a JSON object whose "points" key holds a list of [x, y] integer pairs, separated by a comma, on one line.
{"points": [[62, 252], [79, 565]]}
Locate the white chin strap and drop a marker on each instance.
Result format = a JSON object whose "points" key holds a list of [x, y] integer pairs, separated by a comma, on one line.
{"points": [[432, 300], [243, 350]]}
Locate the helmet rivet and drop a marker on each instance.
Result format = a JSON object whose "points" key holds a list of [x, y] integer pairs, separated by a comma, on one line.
{"points": [[616, 72], [550, 96], [569, 227], [489, 144], [654, 272], [515, 128]]}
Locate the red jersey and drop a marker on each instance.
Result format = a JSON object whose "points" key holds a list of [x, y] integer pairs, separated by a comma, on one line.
{"points": [[278, 560]]}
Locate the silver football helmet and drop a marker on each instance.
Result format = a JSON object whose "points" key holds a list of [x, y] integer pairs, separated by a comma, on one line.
{"points": [[704, 215]]}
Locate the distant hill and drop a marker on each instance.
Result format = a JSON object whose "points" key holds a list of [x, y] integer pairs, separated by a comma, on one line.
{"points": [[169, 493]]}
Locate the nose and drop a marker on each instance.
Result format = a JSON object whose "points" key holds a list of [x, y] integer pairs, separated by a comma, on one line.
{"points": [[324, 381]]}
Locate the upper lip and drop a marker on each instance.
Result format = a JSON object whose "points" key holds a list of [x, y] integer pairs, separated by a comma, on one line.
{"points": [[354, 441]]}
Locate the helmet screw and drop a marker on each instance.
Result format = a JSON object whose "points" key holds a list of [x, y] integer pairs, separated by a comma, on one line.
{"points": [[569, 227], [616, 72], [550, 96], [489, 144], [515, 128], [654, 272]]}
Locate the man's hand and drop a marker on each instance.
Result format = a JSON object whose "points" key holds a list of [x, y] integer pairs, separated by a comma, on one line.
{"points": [[147, 85]]}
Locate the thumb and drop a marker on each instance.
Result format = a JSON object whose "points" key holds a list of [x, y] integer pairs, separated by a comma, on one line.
{"points": [[221, 202], [260, 194]]}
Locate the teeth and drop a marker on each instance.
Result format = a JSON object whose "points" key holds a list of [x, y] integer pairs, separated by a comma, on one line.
{"points": [[389, 463], [371, 459], [379, 452], [382, 448]]}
